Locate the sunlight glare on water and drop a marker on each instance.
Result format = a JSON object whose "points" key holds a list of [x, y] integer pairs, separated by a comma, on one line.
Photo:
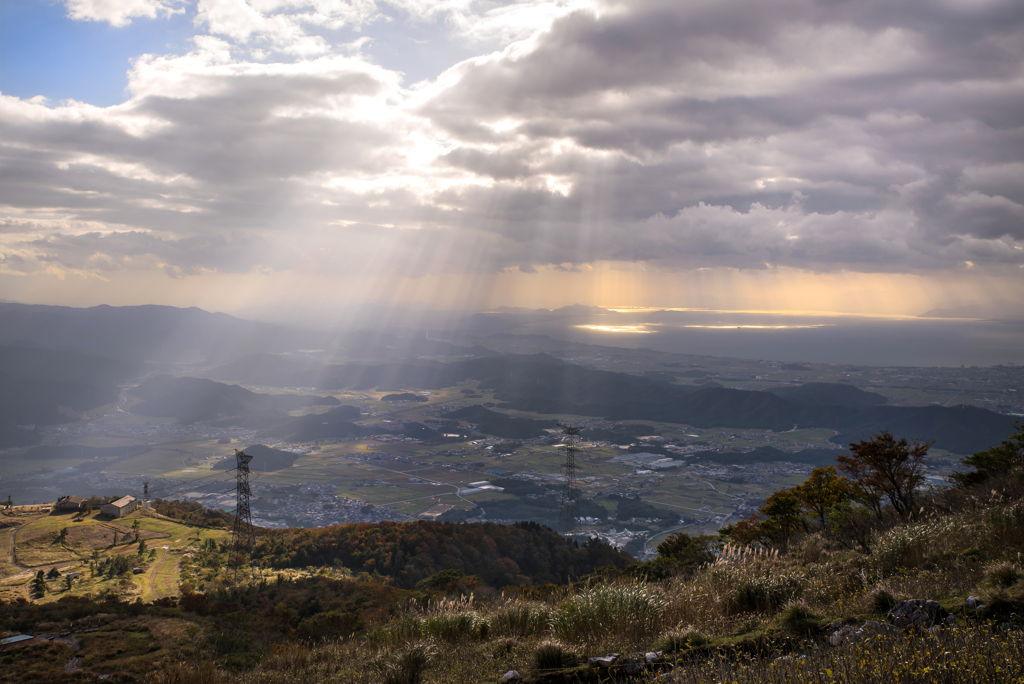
{"points": [[793, 336]]}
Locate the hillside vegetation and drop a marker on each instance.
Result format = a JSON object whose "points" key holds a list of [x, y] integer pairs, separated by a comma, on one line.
{"points": [[522, 554], [813, 588]]}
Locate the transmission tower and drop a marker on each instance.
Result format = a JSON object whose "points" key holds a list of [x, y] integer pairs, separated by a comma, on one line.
{"points": [[243, 538], [145, 494], [570, 498]]}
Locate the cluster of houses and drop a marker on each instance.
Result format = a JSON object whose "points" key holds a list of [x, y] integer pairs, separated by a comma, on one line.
{"points": [[115, 508]]}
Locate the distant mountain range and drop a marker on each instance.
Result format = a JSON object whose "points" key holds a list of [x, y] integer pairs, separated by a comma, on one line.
{"points": [[57, 363], [544, 384], [47, 387], [829, 393], [146, 333], [166, 334], [196, 399]]}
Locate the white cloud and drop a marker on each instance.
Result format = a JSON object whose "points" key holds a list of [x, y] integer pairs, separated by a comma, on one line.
{"points": [[292, 26], [121, 12], [493, 22], [728, 133]]}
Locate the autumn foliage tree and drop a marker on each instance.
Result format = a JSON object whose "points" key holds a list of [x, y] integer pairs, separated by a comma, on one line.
{"points": [[785, 515], [823, 490], [886, 468], [785, 512], [747, 531], [776, 521]]}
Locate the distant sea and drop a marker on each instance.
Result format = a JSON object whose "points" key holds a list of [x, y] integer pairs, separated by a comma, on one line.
{"points": [[855, 340]]}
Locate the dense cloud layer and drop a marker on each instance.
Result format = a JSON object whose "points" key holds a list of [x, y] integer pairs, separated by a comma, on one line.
{"points": [[834, 135]]}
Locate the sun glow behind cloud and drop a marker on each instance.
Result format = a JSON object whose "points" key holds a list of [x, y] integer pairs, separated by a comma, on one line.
{"points": [[773, 312], [581, 156], [761, 327]]}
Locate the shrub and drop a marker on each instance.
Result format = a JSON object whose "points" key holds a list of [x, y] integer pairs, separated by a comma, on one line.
{"points": [[189, 673], [880, 600], [910, 546], [958, 655], [328, 624], [400, 629], [408, 666], [1003, 575], [456, 626], [797, 618], [504, 647], [1004, 604], [811, 549], [681, 640], [632, 611], [1006, 524], [764, 592], [552, 655], [517, 618]]}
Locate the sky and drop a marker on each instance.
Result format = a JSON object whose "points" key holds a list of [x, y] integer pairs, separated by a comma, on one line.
{"points": [[852, 156]]}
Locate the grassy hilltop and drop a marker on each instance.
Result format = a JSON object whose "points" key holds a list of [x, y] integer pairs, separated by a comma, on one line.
{"points": [[801, 592]]}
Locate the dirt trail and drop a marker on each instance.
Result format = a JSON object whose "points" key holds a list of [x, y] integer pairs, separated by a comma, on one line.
{"points": [[161, 558], [14, 558]]}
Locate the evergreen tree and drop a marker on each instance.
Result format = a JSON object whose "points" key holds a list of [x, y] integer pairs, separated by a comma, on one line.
{"points": [[996, 461], [39, 584]]}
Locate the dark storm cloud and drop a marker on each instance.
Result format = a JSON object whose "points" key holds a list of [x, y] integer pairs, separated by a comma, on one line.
{"points": [[866, 127]]}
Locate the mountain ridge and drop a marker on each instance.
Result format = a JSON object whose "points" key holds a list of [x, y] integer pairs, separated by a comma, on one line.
{"points": [[543, 384]]}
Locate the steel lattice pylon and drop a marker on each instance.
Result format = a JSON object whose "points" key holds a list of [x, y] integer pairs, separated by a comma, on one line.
{"points": [[570, 498], [243, 537]]}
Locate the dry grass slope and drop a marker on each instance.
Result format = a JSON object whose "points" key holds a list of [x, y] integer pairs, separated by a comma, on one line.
{"points": [[750, 617]]}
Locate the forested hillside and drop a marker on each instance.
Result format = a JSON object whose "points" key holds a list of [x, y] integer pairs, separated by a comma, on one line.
{"points": [[524, 553]]}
